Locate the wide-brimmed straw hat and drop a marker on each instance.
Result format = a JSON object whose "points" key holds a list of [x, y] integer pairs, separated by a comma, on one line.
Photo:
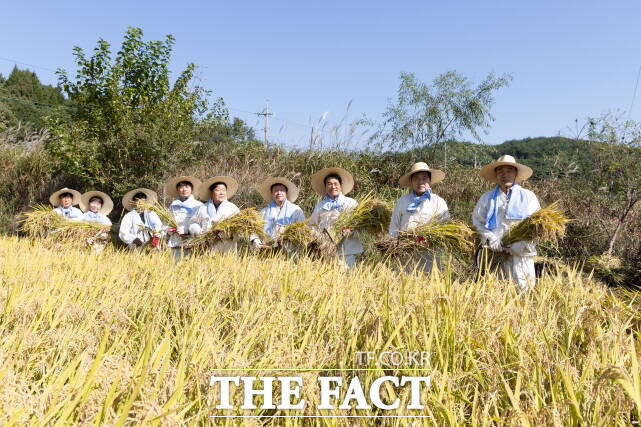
{"points": [[76, 197], [107, 203], [437, 175], [128, 199], [230, 183], [489, 171], [318, 180], [265, 188], [170, 185]]}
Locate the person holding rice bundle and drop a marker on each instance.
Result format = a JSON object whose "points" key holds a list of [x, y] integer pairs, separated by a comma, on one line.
{"points": [[183, 208], [99, 205], [65, 201], [216, 191], [281, 211], [418, 207], [333, 184], [140, 226], [502, 207]]}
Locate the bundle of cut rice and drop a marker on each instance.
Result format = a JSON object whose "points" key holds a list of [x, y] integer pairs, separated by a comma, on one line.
{"points": [[245, 223], [165, 215], [80, 233], [370, 216], [454, 237], [545, 225], [298, 234], [40, 221]]}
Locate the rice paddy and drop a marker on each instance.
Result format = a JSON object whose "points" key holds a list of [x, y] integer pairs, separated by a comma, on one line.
{"points": [[124, 338]]}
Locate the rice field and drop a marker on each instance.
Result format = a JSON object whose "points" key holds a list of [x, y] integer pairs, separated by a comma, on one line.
{"points": [[123, 338]]}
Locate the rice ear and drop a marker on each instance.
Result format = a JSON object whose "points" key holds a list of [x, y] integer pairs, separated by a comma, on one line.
{"points": [[545, 225]]}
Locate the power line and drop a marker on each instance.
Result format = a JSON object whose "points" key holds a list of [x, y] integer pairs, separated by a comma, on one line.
{"points": [[27, 64], [634, 94]]}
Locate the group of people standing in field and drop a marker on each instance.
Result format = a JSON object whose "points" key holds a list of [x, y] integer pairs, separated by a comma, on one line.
{"points": [[197, 205]]}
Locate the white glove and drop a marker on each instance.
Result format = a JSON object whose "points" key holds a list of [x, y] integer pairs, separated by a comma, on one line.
{"points": [[194, 229], [256, 243], [495, 244]]}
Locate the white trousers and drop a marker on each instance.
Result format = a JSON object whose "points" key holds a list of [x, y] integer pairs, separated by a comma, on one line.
{"points": [[520, 270]]}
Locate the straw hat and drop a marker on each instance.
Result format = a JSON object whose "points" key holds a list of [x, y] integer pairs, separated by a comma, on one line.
{"points": [[230, 183], [318, 184], [436, 174], [488, 171], [128, 199], [170, 185], [107, 203], [77, 198], [265, 188]]}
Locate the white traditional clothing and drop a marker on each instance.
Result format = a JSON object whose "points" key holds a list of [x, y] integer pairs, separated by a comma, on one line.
{"points": [[133, 227], [326, 213], [98, 217], [411, 211], [493, 216], [207, 215], [70, 213], [183, 212], [277, 217]]}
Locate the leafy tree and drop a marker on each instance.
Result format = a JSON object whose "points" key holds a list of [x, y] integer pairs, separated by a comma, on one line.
{"points": [[617, 170], [29, 100], [426, 115], [129, 125]]}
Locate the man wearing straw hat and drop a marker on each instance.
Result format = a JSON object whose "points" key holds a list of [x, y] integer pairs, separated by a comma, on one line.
{"points": [[138, 228], [64, 201], [419, 206], [499, 209], [333, 184], [281, 194], [99, 205], [184, 207], [216, 191]]}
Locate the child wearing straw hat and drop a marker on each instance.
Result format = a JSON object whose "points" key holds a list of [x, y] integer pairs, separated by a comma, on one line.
{"points": [[281, 211], [64, 201], [500, 208], [418, 207], [216, 191], [333, 184], [182, 189], [139, 228], [99, 205]]}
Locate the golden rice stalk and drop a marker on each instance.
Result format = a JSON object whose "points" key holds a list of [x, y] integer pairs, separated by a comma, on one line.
{"points": [[605, 267], [298, 234], [454, 237], [165, 215], [243, 224], [370, 215], [40, 221], [80, 233], [545, 225]]}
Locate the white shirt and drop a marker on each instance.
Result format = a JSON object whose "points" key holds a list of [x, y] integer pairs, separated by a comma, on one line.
{"points": [[183, 212], [324, 219], [403, 220], [95, 217], [131, 226], [479, 218], [74, 213]]}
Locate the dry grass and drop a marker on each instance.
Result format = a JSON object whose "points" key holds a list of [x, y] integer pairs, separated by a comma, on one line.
{"points": [[124, 338]]}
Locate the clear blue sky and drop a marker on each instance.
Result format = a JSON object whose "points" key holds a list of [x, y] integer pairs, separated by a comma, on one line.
{"points": [[569, 58]]}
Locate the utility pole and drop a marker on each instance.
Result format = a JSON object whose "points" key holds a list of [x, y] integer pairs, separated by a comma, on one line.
{"points": [[266, 114]]}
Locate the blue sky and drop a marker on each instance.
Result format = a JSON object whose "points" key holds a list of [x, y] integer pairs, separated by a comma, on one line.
{"points": [[569, 58]]}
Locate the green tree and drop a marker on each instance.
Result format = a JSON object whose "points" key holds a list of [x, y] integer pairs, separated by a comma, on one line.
{"points": [[450, 108], [29, 100], [129, 124], [617, 170]]}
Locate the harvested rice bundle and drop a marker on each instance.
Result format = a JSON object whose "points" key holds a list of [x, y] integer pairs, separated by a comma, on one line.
{"points": [[244, 224], [298, 234], [370, 216], [545, 225], [165, 215], [80, 233], [40, 221], [454, 237]]}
